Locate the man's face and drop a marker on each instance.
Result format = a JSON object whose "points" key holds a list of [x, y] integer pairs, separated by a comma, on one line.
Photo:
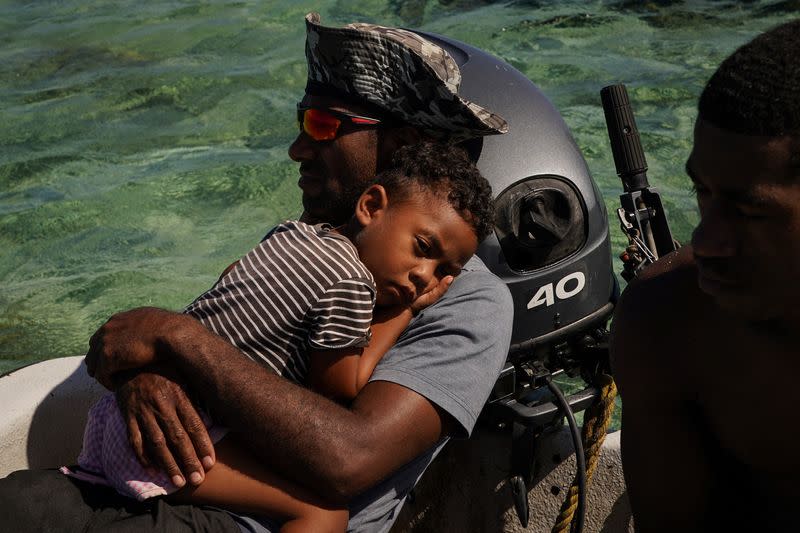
{"points": [[409, 246], [334, 173], [747, 244]]}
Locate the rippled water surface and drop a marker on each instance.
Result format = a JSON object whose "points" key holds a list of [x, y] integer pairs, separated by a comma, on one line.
{"points": [[143, 144]]}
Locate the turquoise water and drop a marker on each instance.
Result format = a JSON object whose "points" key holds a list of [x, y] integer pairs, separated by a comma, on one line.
{"points": [[143, 144]]}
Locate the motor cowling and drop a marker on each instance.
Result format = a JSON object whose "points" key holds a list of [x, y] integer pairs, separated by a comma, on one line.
{"points": [[551, 243]]}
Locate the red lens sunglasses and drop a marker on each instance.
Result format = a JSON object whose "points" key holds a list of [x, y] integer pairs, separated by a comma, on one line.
{"points": [[323, 124]]}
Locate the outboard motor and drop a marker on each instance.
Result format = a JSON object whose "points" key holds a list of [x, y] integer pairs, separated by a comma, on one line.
{"points": [[551, 246]]}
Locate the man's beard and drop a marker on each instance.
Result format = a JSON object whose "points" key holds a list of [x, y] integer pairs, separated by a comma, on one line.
{"points": [[336, 208]]}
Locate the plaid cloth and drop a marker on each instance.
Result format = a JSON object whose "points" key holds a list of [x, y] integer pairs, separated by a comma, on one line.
{"points": [[107, 457]]}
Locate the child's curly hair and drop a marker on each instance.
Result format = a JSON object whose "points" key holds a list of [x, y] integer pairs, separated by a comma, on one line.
{"points": [[446, 170]]}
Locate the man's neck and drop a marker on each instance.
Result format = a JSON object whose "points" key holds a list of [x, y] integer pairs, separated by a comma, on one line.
{"points": [[349, 229], [308, 218]]}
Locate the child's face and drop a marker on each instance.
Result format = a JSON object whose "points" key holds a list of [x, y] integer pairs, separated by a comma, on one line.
{"points": [[409, 246]]}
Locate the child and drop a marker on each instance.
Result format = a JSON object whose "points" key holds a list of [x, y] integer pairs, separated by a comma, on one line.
{"points": [[302, 303]]}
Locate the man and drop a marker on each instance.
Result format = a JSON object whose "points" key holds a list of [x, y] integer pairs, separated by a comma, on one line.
{"points": [[705, 343], [430, 386]]}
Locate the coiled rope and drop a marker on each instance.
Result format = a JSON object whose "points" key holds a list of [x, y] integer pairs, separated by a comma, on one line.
{"points": [[595, 425]]}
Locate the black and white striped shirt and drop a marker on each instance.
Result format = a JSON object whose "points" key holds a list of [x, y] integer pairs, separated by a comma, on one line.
{"points": [[303, 287]]}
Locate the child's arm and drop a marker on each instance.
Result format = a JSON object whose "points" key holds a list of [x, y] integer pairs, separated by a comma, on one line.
{"points": [[240, 484], [340, 374]]}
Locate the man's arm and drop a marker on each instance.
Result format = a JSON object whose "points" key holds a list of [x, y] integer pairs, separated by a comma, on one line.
{"points": [[339, 451], [461, 341], [667, 470]]}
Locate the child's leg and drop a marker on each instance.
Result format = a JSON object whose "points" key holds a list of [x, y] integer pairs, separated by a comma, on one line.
{"points": [[239, 483]]}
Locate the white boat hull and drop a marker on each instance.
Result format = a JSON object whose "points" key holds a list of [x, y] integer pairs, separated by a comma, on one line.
{"points": [[465, 490]]}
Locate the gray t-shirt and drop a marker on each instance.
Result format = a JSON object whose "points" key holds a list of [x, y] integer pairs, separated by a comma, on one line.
{"points": [[451, 353]]}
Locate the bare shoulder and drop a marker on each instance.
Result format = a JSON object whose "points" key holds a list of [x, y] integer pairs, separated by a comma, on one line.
{"points": [[655, 319], [663, 295], [673, 272]]}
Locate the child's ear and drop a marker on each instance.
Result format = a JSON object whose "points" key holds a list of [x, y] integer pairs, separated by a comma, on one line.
{"points": [[371, 204]]}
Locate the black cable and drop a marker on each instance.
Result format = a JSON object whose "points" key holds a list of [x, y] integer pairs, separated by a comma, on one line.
{"points": [[580, 511]]}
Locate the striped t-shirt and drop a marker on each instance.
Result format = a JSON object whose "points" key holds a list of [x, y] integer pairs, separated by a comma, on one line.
{"points": [[303, 287]]}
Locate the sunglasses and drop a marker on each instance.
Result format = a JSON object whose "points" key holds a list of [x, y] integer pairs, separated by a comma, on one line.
{"points": [[323, 124]]}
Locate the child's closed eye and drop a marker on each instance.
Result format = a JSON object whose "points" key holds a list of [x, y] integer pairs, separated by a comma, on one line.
{"points": [[423, 245]]}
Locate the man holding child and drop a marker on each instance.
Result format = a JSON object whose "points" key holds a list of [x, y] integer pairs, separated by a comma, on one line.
{"points": [[430, 386]]}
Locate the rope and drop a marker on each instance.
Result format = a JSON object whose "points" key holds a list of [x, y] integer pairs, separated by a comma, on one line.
{"points": [[595, 425]]}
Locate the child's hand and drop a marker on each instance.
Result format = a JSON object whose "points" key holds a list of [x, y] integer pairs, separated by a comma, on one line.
{"points": [[427, 298]]}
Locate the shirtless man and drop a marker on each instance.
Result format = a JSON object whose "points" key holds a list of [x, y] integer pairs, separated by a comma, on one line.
{"points": [[705, 343]]}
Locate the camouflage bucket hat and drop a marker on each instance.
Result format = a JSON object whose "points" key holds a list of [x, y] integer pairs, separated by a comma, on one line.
{"points": [[399, 72]]}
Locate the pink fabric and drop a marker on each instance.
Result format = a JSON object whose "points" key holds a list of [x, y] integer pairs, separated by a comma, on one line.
{"points": [[107, 457]]}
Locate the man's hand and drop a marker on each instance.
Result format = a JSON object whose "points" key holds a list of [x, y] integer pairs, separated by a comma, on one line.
{"points": [[126, 341], [428, 298], [164, 428]]}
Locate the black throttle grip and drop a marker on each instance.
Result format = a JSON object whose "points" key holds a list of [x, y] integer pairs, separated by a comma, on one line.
{"points": [[624, 136]]}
